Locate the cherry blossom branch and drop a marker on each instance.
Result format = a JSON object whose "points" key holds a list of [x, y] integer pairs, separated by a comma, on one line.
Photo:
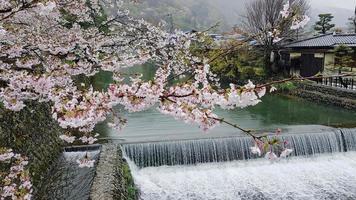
{"points": [[225, 52], [48, 48], [248, 132], [25, 5], [177, 96]]}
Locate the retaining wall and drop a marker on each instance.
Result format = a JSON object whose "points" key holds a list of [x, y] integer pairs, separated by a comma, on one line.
{"points": [[32, 132], [113, 180], [326, 95]]}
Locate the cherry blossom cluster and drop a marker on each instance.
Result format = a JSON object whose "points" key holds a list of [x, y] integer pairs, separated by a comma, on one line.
{"points": [[286, 11], [271, 145], [197, 105], [290, 16], [15, 182], [118, 123], [298, 21], [85, 162], [85, 139]]}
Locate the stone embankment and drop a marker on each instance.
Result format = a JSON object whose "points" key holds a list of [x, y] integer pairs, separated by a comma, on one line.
{"points": [[32, 132], [326, 95], [113, 180]]}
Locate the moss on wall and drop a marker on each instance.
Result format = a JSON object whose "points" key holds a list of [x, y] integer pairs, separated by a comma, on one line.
{"points": [[130, 185], [32, 132], [113, 178], [125, 186]]}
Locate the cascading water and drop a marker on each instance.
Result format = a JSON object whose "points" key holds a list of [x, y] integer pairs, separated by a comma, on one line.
{"points": [[349, 138], [229, 149], [67, 180], [202, 173], [325, 177]]}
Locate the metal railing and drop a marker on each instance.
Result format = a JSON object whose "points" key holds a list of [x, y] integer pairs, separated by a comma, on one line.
{"points": [[348, 82]]}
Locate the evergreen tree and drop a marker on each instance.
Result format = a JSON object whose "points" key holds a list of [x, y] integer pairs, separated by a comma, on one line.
{"points": [[344, 58], [324, 24]]}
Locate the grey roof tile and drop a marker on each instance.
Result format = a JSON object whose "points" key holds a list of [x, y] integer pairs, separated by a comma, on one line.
{"points": [[328, 40]]}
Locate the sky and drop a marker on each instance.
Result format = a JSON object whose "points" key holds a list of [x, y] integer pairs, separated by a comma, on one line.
{"points": [[341, 9], [346, 4]]}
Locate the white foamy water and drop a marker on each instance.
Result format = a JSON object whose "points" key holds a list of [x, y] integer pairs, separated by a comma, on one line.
{"points": [[317, 178]]}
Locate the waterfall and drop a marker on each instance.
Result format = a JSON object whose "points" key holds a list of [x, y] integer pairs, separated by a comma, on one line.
{"points": [[234, 148], [349, 138]]}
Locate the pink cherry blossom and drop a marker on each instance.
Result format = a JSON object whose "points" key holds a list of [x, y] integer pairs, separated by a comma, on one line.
{"points": [[285, 12], [300, 23], [272, 89], [88, 140], [85, 162], [286, 152], [255, 150], [68, 139], [16, 179], [2, 31], [7, 155], [271, 156]]}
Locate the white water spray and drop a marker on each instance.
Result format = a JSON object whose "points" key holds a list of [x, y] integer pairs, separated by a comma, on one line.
{"points": [[331, 176]]}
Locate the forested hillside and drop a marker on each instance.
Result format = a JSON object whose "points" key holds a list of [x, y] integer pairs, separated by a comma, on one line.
{"points": [[191, 14], [201, 14]]}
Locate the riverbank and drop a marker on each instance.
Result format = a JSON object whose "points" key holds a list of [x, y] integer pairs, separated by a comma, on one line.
{"points": [[328, 95]]}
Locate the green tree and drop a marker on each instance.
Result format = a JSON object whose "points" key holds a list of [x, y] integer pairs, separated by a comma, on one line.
{"points": [[233, 61], [324, 24], [344, 58]]}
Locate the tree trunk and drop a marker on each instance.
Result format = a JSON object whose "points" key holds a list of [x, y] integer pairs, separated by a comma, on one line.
{"points": [[267, 61]]}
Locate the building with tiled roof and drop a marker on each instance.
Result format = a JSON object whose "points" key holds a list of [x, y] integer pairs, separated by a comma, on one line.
{"points": [[310, 56]]}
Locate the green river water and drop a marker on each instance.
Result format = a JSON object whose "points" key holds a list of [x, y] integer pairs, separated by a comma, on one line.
{"points": [[275, 111]]}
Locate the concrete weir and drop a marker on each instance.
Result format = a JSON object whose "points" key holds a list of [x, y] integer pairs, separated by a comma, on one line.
{"points": [[321, 167], [103, 184], [191, 152], [112, 182], [113, 179]]}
